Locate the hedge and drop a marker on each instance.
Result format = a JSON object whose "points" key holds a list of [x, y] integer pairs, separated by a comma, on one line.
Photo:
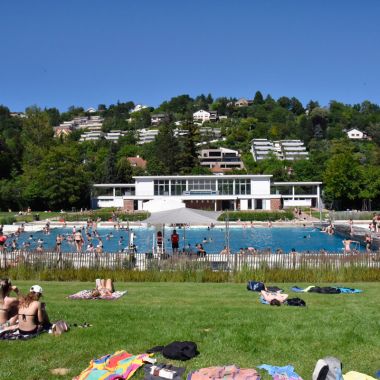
{"points": [[258, 216]]}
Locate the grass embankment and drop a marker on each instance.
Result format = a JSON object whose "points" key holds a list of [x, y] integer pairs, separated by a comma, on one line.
{"points": [[226, 321]]}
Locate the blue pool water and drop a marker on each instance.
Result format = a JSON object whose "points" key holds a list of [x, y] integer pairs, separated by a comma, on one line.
{"points": [[213, 240]]}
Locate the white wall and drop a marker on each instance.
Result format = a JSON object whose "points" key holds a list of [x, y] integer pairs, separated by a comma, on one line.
{"points": [[297, 203], [163, 204], [144, 187], [260, 186], [244, 204], [111, 202]]}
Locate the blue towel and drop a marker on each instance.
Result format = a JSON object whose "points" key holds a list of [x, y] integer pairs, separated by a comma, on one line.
{"points": [[349, 290], [286, 370], [296, 289]]}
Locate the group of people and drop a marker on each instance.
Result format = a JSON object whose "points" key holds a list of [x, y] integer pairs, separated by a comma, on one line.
{"points": [[23, 312], [26, 313]]}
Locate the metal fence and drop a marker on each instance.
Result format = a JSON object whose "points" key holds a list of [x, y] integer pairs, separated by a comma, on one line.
{"points": [[216, 262]]}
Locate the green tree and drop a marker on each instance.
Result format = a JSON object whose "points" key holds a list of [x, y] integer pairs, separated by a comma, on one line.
{"points": [[258, 98]]}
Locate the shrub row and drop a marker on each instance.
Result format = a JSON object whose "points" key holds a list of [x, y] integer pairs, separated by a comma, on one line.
{"points": [[105, 215], [7, 220], [258, 216], [312, 276]]}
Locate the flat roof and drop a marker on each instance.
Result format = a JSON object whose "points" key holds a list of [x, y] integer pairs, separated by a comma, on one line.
{"points": [[305, 183], [114, 185], [223, 176]]}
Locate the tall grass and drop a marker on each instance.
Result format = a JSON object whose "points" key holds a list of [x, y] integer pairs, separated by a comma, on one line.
{"points": [[194, 274]]}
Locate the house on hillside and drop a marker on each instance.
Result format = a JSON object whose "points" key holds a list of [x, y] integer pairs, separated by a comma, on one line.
{"points": [[159, 118], [220, 160], [243, 102], [201, 116], [137, 162], [356, 134], [138, 107]]}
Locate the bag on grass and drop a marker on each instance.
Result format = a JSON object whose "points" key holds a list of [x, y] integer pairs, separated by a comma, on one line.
{"points": [[328, 368], [59, 327], [255, 286], [180, 350], [295, 302]]}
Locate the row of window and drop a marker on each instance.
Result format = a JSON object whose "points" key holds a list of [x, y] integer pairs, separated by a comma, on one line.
{"points": [[223, 186]]}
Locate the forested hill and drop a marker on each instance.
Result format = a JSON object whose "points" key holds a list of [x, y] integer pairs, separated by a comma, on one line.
{"points": [[45, 172]]}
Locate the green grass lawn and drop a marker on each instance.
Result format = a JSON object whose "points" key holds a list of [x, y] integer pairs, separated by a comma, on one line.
{"points": [[227, 322]]}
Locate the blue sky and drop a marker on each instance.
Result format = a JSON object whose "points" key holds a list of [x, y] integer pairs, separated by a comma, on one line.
{"points": [[86, 52]]}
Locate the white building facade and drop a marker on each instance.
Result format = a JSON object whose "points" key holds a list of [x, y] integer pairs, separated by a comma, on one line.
{"points": [[206, 192]]}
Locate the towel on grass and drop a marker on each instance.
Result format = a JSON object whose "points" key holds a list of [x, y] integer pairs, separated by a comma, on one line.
{"points": [[87, 295], [119, 365], [281, 373], [230, 372], [15, 335], [339, 289]]}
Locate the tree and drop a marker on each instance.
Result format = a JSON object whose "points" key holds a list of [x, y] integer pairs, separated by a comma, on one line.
{"points": [[166, 150], [188, 157], [59, 181], [124, 171], [258, 99], [342, 177], [37, 135]]}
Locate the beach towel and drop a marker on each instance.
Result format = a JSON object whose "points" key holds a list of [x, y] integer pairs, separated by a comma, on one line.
{"points": [[119, 365], [87, 295], [325, 290], [15, 335], [281, 373], [224, 373], [353, 375]]}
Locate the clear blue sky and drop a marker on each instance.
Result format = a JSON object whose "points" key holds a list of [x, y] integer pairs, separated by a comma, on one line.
{"points": [[86, 52]]}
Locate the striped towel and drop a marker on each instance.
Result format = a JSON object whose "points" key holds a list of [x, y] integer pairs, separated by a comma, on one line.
{"points": [[119, 365], [87, 295]]}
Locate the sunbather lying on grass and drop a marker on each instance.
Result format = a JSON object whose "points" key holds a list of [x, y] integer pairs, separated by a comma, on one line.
{"points": [[103, 288]]}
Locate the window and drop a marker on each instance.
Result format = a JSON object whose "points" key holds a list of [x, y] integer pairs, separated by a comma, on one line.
{"points": [[243, 186], [259, 204], [178, 186], [226, 186], [161, 187], [201, 184]]}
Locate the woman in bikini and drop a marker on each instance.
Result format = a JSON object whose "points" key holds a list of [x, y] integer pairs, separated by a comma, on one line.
{"points": [[8, 305], [104, 288], [32, 316]]}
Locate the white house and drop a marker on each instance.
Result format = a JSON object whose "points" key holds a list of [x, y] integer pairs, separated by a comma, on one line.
{"points": [[201, 116], [207, 192], [355, 134]]}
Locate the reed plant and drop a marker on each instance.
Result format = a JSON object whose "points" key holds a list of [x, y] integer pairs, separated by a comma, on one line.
{"points": [[195, 273]]}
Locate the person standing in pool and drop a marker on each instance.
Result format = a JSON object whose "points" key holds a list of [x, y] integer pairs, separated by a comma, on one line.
{"points": [[78, 238]]}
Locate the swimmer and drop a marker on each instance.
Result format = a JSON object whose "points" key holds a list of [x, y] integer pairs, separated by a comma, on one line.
{"points": [[347, 245]]}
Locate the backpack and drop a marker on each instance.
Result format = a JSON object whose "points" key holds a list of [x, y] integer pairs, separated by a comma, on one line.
{"points": [[328, 368], [180, 350], [255, 286], [295, 302]]}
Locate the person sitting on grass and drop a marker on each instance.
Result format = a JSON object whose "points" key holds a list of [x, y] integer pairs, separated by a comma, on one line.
{"points": [[104, 288], [8, 305], [32, 315]]}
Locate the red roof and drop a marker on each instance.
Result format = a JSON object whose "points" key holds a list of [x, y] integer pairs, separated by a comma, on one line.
{"points": [[137, 162]]}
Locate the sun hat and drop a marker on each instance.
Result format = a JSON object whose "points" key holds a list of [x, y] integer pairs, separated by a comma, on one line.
{"points": [[36, 289]]}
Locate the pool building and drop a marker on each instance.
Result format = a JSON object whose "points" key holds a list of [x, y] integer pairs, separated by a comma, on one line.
{"points": [[206, 192]]}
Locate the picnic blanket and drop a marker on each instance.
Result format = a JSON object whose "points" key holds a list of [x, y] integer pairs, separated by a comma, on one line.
{"points": [[317, 289], [87, 295], [119, 365], [281, 373], [15, 335]]}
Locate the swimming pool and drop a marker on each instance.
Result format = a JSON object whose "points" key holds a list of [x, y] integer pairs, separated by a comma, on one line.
{"points": [[213, 240]]}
